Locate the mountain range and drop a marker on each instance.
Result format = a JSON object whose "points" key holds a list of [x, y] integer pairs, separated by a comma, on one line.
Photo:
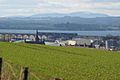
{"points": [[74, 14], [59, 21]]}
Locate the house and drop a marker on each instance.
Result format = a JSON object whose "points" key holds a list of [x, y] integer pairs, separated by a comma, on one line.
{"points": [[83, 42], [98, 43], [112, 44], [70, 43], [52, 44], [61, 43]]}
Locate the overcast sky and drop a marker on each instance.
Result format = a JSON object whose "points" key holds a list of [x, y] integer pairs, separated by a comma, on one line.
{"points": [[29, 7]]}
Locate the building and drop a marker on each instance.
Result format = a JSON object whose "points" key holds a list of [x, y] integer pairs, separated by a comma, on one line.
{"points": [[98, 43], [83, 42], [71, 43], [53, 36], [112, 44]]}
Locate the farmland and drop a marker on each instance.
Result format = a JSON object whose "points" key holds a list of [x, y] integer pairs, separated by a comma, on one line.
{"points": [[69, 63]]}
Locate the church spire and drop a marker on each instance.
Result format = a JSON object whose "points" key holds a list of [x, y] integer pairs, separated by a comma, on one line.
{"points": [[37, 37]]}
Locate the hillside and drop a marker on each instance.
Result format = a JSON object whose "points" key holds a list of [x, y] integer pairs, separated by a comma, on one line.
{"points": [[67, 62], [61, 23]]}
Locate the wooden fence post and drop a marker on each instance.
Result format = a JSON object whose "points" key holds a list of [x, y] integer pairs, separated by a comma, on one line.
{"points": [[0, 68], [25, 73], [58, 79]]}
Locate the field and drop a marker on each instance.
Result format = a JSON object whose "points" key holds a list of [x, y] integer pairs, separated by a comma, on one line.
{"points": [[69, 63]]}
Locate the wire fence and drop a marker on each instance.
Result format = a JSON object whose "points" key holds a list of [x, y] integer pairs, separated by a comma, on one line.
{"points": [[11, 71]]}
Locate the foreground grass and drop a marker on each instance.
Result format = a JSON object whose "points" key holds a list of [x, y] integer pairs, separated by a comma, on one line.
{"points": [[66, 62]]}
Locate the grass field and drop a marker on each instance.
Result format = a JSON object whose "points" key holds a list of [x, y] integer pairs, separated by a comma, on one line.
{"points": [[66, 62]]}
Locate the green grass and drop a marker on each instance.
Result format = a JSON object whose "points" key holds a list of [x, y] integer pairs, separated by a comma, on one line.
{"points": [[66, 62]]}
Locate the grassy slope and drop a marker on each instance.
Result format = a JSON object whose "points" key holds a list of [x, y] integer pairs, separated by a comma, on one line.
{"points": [[68, 63]]}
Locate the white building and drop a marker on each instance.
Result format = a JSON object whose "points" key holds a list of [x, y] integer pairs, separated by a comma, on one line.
{"points": [[71, 43], [83, 41]]}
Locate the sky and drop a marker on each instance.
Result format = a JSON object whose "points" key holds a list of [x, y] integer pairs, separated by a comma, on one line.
{"points": [[30, 7]]}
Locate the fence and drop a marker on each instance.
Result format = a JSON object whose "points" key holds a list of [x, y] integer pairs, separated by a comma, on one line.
{"points": [[24, 71], [23, 75]]}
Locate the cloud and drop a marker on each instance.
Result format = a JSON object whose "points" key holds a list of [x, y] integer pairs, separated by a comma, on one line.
{"points": [[104, 0], [27, 7]]}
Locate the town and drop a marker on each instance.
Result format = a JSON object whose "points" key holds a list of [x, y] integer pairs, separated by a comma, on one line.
{"points": [[107, 42], [59, 39]]}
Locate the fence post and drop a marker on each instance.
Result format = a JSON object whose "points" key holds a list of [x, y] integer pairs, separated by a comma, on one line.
{"points": [[58, 79], [0, 68], [25, 73]]}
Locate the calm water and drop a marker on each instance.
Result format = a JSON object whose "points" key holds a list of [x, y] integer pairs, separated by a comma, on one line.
{"points": [[87, 33]]}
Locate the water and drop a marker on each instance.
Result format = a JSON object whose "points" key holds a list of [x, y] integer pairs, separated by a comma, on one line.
{"points": [[86, 33]]}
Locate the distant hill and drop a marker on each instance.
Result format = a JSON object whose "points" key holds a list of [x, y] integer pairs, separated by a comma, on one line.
{"points": [[75, 14], [55, 21]]}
